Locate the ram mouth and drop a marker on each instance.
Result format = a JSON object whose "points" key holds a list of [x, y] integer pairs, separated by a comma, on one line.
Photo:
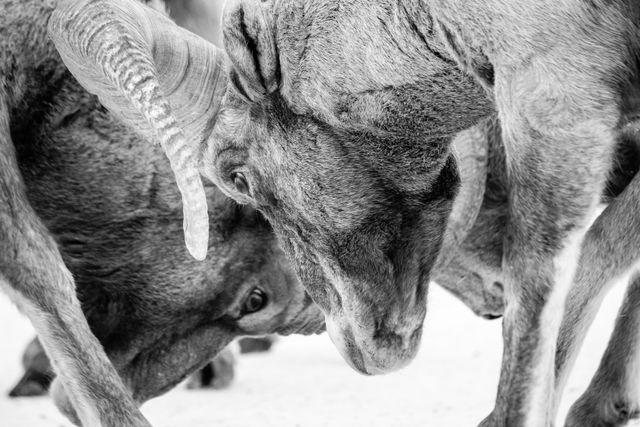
{"points": [[313, 326]]}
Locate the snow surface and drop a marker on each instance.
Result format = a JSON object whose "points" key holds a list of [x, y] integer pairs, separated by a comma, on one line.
{"points": [[304, 382]]}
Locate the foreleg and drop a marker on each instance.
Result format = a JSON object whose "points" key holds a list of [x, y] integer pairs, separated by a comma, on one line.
{"points": [[613, 396], [558, 146], [34, 276]]}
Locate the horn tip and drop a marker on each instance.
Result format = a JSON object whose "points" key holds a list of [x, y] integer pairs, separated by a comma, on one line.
{"points": [[197, 248]]}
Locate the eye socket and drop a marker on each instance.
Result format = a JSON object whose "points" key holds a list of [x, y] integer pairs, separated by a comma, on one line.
{"points": [[240, 182], [256, 301]]}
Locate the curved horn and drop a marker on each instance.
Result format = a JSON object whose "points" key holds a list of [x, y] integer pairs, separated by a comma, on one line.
{"points": [[471, 148], [163, 80]]}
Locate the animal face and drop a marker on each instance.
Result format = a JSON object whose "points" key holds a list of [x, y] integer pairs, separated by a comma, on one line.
{"points": [[346, 153], [348, 158], [175, 316], [355, 237], [158, 313]]}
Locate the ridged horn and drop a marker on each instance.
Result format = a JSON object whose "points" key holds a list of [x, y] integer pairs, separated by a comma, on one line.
{"points": [[471, 148], [162, 80]]}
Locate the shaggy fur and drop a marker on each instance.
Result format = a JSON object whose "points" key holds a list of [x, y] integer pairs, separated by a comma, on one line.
{"points": [[340, 117], [609, 253], [337, 127], [89, 206], [363, 150]]}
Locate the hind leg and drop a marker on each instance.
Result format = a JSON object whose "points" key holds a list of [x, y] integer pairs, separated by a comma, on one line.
{"points": [[613, 396], [35, 278], [219, 373], [38, 372], [610, 252]]}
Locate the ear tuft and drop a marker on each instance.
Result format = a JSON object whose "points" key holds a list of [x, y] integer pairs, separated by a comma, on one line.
{"points": [[249, 39]]}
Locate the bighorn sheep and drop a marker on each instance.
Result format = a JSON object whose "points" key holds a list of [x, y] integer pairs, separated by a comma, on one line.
{"points": [[482, 297], [105, 210], [608, 251], [337, 124], [89, 206]]}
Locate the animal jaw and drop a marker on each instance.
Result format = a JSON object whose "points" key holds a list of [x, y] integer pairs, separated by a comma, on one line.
{"points": [[373, 240], [344, 271], [315, 103]]}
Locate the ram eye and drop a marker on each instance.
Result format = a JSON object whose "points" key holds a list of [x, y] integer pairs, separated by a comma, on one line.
{"points": [[240, 182], [256, 301]]}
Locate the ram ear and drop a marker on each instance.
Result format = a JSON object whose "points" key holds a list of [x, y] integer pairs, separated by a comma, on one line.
{"points": [[162, 80], [249, 40]]}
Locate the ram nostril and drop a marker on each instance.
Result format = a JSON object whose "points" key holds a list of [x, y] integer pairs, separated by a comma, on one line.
{"points": [[207, 373], [491, 316], [498, 286]]}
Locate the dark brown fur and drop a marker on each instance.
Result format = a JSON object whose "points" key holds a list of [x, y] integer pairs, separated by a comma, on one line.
{"points": [[79, 189]]}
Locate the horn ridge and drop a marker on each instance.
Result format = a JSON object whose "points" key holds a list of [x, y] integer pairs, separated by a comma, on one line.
{"points": [[471, 148], [108, 46]]}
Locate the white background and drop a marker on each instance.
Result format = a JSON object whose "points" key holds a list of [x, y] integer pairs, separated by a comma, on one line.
{"points": [[304, 382]]}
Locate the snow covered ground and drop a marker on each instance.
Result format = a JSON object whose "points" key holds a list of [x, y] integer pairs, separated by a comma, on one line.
{"points": [[304, 382]]}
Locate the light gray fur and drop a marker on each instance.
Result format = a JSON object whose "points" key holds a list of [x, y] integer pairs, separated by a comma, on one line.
{"points": [[337, 126], [91, 245], [340, 117]]}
